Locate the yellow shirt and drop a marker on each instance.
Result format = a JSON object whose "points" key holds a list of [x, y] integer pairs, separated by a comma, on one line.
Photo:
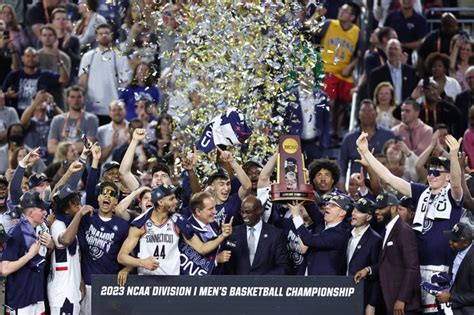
{"points": [[338, 48]]}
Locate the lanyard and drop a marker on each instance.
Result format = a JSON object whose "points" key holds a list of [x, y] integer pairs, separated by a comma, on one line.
{"points": [[76, 126]]}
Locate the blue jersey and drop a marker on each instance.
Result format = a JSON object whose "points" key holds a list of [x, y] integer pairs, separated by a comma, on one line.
{"points": [[433, 246], [230, 208], [26, 285], [100, 242], [297, 258], [193, 263]]}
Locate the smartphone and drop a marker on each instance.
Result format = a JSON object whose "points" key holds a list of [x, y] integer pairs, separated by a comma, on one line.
{"points": [[85, 141], [6, 34]]}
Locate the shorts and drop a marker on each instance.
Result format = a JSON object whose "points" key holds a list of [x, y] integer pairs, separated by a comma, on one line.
{"points": [[67, 308], [337, 89], [32, 309]]}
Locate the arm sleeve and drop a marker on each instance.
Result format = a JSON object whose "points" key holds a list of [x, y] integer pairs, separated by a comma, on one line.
{"points": [[92, 180], [325, 240], [54, 132], [282, 264], [409, 251], [15, 185]]}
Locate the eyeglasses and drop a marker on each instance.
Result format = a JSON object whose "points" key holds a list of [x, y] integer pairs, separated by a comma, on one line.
{"points": [[436, 173], [109, 193]]}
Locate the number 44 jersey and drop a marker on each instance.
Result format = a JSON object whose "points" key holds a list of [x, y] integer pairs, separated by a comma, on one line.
{"points": [[161, 242]]}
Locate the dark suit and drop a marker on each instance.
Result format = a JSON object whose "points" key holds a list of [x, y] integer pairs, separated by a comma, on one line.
{"points": [[367, 254], [271, 256], [462, 290], [327, 249], [399, 269], [382, 74], [463, 102]]}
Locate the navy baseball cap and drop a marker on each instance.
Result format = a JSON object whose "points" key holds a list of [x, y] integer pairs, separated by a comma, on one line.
{"points": [[343, 202], [460, 232], [386, 199], [37, 179], [110, 165], [31, 199], [365, 205], [440, 161], [162, 191], [65, 192]]}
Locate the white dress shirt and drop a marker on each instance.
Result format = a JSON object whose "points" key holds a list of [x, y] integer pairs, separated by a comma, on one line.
{"points": [[458, 260], [388, 229], [353, 242], [396, 74], [256, 233]]}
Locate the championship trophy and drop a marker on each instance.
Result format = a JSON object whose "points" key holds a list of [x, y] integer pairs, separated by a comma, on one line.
{"points": [[292, 184]]}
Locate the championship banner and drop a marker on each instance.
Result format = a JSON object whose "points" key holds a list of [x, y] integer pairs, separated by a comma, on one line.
{"points": [[229, 295]]}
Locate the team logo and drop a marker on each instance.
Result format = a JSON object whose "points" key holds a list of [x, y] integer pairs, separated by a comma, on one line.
{"points": [[149, 224], [115, 228]]}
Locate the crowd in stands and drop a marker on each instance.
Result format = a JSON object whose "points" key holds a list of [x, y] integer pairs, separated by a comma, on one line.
{"points": [[94, 181]]}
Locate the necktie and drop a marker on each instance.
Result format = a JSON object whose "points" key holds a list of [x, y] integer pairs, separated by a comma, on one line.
{"points": [[210, 232], [251, 243]]}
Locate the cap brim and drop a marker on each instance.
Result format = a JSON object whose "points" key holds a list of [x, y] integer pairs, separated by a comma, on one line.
{"points": [[450, 235], [362, 208]]}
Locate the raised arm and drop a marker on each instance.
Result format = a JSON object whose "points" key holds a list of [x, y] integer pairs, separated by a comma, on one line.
{"points": [[396, 182], [245, 183], [75, 166], [121, 208], [468, 201], [456, 186], [15, 187], [267, 171], [41, 97], [209, 246], [127, 161], [68, 236], [189, 164]]}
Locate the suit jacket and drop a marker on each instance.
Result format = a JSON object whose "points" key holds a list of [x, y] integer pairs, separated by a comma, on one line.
{"points": [[327, 249], [271, 256], [463, 103], [366, 254], [462, 290], [381, 74], [399, 268]]}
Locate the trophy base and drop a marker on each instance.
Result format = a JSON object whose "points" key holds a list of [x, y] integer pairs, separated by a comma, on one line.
{"points": [[280, 194]]}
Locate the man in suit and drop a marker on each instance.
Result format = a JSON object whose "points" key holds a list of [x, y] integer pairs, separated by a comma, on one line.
{"points": [[328, 241], [363, 250], [466, 99], [402, 77], [257, 248], [461, 294], [398, 267]]}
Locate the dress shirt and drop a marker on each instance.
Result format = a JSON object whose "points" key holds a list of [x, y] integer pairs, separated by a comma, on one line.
{"points": [[458, 260], [396, 74], [256, 233], [389, 228], [206, 227], [353, 242]]}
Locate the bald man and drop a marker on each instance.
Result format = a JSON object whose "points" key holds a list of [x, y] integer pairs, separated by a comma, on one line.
{"points": [[21, 86], [255, 247]]}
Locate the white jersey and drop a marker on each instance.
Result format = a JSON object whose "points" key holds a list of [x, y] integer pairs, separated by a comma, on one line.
{"points": [[160, 241], [65, 276]]}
